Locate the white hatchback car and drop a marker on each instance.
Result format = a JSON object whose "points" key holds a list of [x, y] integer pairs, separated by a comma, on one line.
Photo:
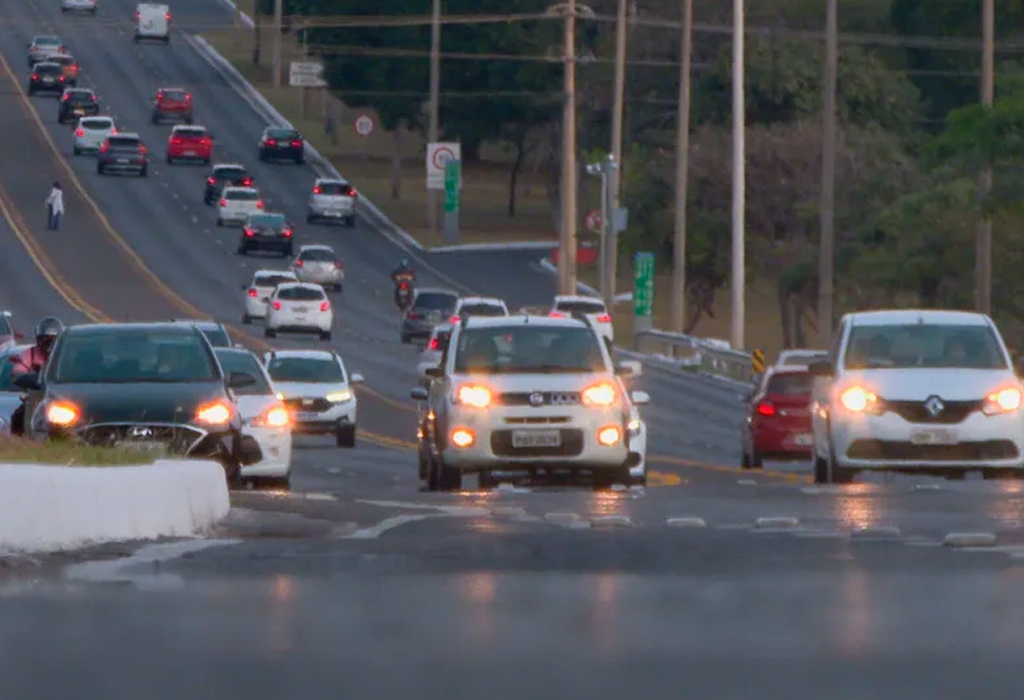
{"points": [[265, 418], [479, 306], [591, 307], [301, 308], [332, 200], [91, 133], [319, 264], [257, 292], [88, 6], [917, 391], [318, 390], [236, 204]]}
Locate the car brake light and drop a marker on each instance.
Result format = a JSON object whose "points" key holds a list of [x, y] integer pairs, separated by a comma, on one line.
{"points": [[250, 233], [325, 306], [337, 265], [556, 314], [287, 233], [138, 15], [252, 290], [176, 141], [604, 318], [211, 181], [296, 143], [454, 320], [79, 132], [766, 408], [92, 97], [318, 190], [246, 181], [113, 131], [35, 76], [259, 203], [168, 16], [66, 98], [143, 150], [223, 202], [414, 316], [277, 306], [60, 79], [435, 344], [298, 263], [105, 147], [271, 142]]}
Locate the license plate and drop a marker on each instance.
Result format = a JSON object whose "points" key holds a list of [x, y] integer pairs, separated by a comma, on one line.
{"points": [[301, 309], [934, 436], [803, 439], [79, 112], [305, 416], [47, 80], [190, 153], [333, 212], [536, 438], [123, 160]]}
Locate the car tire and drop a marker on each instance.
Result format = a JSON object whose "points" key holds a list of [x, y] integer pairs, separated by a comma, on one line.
{"points": [[155, 119], [243, 250], [263, 157], [840, 475], [639, 480], [31, 92], [92, 12], [269, 333], [289, 252], [100, 170], [446, 478], [752, 460], [310, 219], [77, 151], [345, 436], [246, 319], [485, 481], [144, 172], [300, 161], [620, 476], [325, 335], [206, 161], [135, 38], [220, 223], [170, 161], [350, 222]]}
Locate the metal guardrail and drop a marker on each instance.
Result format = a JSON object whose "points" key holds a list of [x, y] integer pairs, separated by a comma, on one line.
{"points": [[703, 355]]}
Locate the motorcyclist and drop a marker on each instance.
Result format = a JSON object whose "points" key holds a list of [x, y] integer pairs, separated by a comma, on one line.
{"points": [[31, 361], [403, 273]]}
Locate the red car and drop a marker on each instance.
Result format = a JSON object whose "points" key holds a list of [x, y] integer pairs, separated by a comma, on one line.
{"points": [[778, 422], [172, 103], [191, 142]]}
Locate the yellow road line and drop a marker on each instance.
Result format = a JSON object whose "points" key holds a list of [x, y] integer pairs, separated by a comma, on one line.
{"points": [[768, 473]]}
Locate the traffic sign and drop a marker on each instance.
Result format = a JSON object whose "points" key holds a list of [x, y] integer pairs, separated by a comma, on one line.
{"points": [[643, 284], [757, 361], [594, 221], [363, 125], [437, 155], [306, 75], [452, 184]]}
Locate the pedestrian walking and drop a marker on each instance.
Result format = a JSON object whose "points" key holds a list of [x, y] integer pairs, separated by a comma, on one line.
{"points": [[54, 207]]}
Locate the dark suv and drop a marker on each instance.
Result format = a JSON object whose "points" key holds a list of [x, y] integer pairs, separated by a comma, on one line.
{"points": [[123, 153], [225, 175], [75, 103], [47, 77], [215, 332], [282, 144], [172, 103], [429, 308], [267, 231]]}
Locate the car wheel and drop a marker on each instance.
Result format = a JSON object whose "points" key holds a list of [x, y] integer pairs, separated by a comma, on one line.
{"points": [[289, 252], [144, 172], [77, 151], [300, 161], [92, 12], [615, 477], [310, 219], [269, 333], [345, 436], [639, 480], [486, 482], [100, 170], [246, 319], [135, 38], [243, 250], [220, 222], [325, 335], [752, 460], [350, 222], [170, 161], [840, 475], [276, 483], [206, 161], [448, 479], [405, 340], [155, 119]]}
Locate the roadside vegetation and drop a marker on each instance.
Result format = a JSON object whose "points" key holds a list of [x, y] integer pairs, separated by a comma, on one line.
{"points": [[14, 450], [912, 142]]}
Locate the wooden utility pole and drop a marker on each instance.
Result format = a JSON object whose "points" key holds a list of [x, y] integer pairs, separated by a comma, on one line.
{"points": [[826, 248], [983, 241], [567, 239], [682, 173]]}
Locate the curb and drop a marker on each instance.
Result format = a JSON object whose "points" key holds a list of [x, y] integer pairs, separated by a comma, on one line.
{"points": [[55, 508]]}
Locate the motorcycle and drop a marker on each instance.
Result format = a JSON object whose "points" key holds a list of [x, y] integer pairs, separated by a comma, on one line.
{"points": [[403, 294]]}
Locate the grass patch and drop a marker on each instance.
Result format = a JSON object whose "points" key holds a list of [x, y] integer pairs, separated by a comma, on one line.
{"points": [[483, 215], [22, 451]]}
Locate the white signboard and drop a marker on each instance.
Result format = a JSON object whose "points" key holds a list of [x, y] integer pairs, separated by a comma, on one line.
{"points": [[437, 155], [307, 75]]}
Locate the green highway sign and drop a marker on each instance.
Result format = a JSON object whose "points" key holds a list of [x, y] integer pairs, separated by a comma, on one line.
{"points": [[452, 184], [643, 284]]}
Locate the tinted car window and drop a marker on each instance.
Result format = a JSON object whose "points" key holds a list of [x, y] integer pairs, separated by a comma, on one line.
{"points": [[5, 327], [217, 337], [130, 356], [233, 361], [481, 310], [335, 188], [190, 132], [924, 345], [229, 173], [47, 41], [282, 134], [300, 294], [529, 349], [318, 255], [268, 221], [271, 280], [97, 124], [305, 369], [121, 143], [242, 195], [174, 95], [581, 307], [48, 69], [79, 96], [435, 301], [789, 384]]}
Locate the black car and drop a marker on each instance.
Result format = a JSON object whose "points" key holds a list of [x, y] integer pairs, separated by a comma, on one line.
{"points": [[282, 144], [225, 175], [215, 333], [75, 103], [156, 387], [47, 77], [267, 232], [123, 153]]}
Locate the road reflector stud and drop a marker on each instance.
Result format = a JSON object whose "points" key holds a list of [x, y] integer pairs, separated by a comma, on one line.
{"points": [[776, 523], [686, 522], [612, 521], [970, 539]]}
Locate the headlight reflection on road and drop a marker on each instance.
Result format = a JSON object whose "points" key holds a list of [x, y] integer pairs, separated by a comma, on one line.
{"points": [[281, 618], [854, 621], [1008, 504], [605, 610], [479, 589], [608, 503], [858, 507]]}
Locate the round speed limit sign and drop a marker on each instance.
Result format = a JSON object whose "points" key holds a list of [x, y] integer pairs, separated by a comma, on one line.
{"points": [[364, 125]]}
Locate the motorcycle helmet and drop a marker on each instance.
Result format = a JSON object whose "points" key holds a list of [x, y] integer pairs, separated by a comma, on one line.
{"points": [[47, 331]]}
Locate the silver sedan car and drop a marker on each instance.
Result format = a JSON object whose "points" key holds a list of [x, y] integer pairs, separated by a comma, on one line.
{"points": [[319, 264]]}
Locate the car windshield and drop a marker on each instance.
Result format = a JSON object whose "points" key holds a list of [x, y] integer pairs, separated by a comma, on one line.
{"points": [[335, 188], [271, 280], [124, 144], [129, 356], [174, 95], [268, 221], [282, 134], [924, 345], [217, 337], [525, 348], [580, 307], [306, 369], [229, 173], [318, 255], [96, 124], [242, 195], [47, 41], [45, 68], [435, 301], [789, 384], [246, 362], [79, 96], [300, 294], [482, 310], [190, 132]]}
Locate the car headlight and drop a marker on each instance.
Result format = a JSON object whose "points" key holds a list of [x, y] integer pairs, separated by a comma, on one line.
{"points": [[62, 414], [474, 396], [216, 413], [340, 396], [1003, 401], [599, 395], [859, 400], [633, 427], [274, 417]]}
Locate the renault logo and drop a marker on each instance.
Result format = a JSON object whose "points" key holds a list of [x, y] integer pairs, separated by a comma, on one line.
{"points": [[536, 399], [934, 406], [140, 432]]}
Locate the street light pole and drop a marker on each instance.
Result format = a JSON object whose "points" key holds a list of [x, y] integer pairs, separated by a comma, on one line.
{"points": [[567, 242], [434, 106], [738, 282], [610, 263], [276, 45], [682, 173], [826, 251], [983, 241]]}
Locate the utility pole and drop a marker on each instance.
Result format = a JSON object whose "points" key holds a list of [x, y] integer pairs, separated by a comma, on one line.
{"points": [[434, 106], [739, 173], [610, 264], [567, 242], [826, 249], [983, 242], [276, 50], [682, 172]]}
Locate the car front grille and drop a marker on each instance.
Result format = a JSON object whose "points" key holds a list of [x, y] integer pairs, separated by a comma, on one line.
{"points": [[952, 411], [540, 398], [572, 445], [309, 405], [178, 438], [908, 452]]}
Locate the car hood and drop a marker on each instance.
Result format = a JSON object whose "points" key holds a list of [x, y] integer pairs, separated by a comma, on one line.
{"points": [[252, 406], [523, 382], [297, 390], [146, 402], [918, 384]]}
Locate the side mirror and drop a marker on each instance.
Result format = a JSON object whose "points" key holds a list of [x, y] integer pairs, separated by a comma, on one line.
{"points": [[436, 372], [237, 380], [356, 378], [820, 369], [28, 382], [640, 398], [629, 368], [418, 394]]}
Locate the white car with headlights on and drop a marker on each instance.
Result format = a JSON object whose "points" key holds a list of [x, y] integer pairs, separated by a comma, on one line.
{"points": [[526, 394], [264, 418], [917, 391], [257, 292], [318, 390], [236, 204], [298, 307]]}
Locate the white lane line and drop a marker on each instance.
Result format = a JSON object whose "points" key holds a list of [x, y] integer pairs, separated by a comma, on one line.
{"points": [[463, 511], [611, 521], [970, 539], [369, 533], [120, 570], [686, 522], [775, 523]]}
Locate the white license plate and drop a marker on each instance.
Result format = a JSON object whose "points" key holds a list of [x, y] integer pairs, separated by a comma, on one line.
{"points": [[305, 416], [79, 112], [300, 309], [803, 439], [190, 153], [934, 436], [122, 160], [536, 438], [47, 80]]}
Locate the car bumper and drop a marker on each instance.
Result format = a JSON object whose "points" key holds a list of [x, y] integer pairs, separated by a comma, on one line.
{"points": [[48, 87], [284, 152], [86, 145], [276, 452], [784, 441], [233, 217], [173, 113], [326, 212], [313, 324], [268, 243], [190, 154], [340, 414], [888, 442], [133, 164], [321, 278]]}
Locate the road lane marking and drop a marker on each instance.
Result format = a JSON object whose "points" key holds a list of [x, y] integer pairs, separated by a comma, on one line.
{"points": [[768, 473], [147, 560]]}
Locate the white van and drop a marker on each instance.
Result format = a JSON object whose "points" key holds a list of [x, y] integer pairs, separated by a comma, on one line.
{"points": [[152, 23]]}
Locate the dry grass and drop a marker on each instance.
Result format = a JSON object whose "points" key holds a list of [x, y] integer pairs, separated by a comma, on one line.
{"points": [[484, 202], [22, 451]]}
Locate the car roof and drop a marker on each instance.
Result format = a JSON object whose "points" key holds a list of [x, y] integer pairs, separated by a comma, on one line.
{"points": [[125, 135], [578, 297], [171, 88], [227, 166], [188, 127], [493, 301], [132, 326], [305, 354], [504, 321], [237, 188], [331, 181], [280, 128], [786, 369], [316, 246], [81, 89], [286, 273], [436, 290], [905, 317], [198, 323], [46, 38], [47, 64], [298, 285]]}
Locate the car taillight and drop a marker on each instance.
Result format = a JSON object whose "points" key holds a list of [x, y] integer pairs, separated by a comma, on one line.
{"points": [[138, 15], [604, 318], [223, 202], [349, 192], [296, 143], [434, 344], [337, 265], [211, 181], [454, 320], [176, 142], [35, 76], [556, 314], [250, 233], [104, 148], [206, 141], [246, 181], [766, 408], [414, 316], [252, 290], [271, 142], [66, 98], [325, 306], [143, 150], [60, 79], [318, 190], [92, 97], [287, 233], [168, 16], [403, 285], [113, 131], [277, 306], [79, 132], [259, 203], [298, 263]]}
